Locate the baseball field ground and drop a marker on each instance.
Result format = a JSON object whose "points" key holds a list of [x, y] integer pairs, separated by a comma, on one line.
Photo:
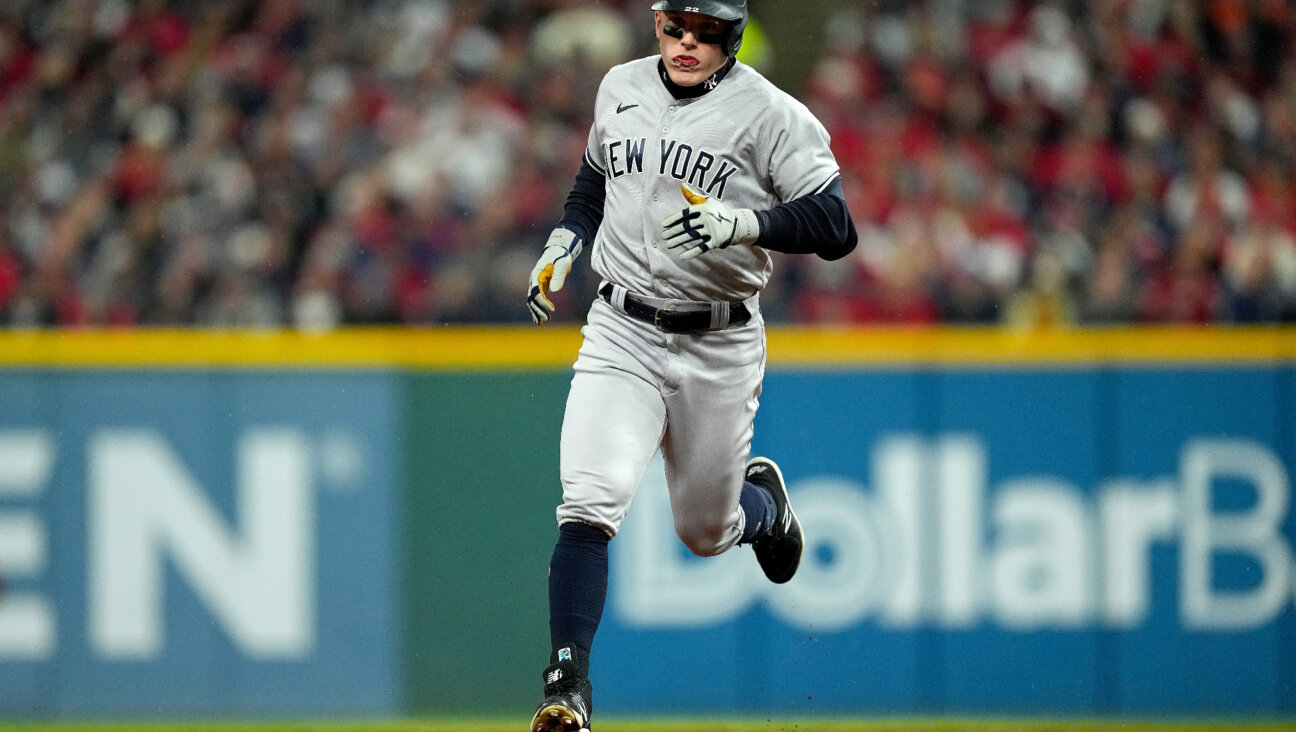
{"points": [[697, 725]]}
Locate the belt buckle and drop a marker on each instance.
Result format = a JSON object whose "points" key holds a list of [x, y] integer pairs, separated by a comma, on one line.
{"points": [[657, 320]]}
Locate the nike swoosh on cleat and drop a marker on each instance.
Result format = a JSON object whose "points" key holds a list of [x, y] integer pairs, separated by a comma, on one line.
{"points": [[623, 107]]}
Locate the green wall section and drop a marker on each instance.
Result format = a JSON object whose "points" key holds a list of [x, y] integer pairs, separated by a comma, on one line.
{"points": [[478, 523]]}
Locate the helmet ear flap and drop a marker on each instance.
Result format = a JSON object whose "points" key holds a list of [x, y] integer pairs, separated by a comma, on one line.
{"points": [[734, 42]]}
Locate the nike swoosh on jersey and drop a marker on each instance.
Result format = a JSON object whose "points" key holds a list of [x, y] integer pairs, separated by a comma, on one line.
{"points": [[623, 107]]}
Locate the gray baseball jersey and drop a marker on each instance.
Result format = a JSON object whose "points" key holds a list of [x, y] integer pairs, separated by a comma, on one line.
{"points": [[746, 143]]}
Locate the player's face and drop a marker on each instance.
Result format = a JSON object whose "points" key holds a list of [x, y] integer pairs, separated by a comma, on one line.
{"points": [[690, 45]]}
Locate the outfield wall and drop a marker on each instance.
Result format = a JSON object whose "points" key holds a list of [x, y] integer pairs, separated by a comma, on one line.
{"points": [[231, 524]]}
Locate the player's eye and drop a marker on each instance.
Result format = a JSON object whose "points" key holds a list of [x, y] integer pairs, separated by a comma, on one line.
{"points": [[706, 34], [716, 37]]}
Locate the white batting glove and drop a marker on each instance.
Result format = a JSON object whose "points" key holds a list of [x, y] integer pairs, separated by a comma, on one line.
{"points": [[707, 225], [550, 272]]}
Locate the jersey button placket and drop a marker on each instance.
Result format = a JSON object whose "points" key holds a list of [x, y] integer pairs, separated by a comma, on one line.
{"points": [[665, 128]]}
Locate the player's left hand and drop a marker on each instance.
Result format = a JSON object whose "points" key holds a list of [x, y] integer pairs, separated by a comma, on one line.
{"points": [[707, 225]]}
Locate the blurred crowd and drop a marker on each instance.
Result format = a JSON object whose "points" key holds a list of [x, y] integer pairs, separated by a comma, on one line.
{"points": [[317, 163]]}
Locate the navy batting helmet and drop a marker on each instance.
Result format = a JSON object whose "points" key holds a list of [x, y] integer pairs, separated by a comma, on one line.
{"points": [[734, 11]]}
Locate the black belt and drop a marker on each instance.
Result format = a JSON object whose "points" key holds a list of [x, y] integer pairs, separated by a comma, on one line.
{"points": [[675, 321]]}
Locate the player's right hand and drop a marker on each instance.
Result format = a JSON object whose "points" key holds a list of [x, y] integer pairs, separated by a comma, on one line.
{"points": [[551, 272]]}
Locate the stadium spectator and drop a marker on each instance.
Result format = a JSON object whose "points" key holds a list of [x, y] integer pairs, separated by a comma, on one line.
{"points": [[319, 164]]}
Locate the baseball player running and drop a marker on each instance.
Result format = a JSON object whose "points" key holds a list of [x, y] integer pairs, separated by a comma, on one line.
{"points": [[696, 167]]}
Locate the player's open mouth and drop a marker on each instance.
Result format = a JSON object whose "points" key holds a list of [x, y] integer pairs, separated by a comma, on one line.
{"points": [[685, 62]]}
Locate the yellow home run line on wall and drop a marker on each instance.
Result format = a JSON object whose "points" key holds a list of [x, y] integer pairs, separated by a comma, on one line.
{"points": [[1054, 347], [518, 347]]}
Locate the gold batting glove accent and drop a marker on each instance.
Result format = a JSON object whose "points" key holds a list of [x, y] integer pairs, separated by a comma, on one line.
{"points": [[693, 198]]}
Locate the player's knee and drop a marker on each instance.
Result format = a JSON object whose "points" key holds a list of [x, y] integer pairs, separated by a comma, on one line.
{"points": [[703, 540]]}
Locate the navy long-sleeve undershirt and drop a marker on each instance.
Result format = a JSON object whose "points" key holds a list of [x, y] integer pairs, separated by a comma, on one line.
{"points": [[583, 213], [819, 224]]}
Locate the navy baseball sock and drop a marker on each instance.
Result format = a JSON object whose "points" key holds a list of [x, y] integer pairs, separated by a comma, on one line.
{"points": [[578, 578], [758, 505]]}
